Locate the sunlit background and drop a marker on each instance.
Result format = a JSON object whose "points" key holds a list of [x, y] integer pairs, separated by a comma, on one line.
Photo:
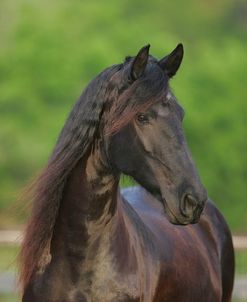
{"points": [[49, 50]]}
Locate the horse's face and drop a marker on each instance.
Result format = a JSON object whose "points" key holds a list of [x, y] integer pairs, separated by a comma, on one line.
{"points": [[152, 149]]}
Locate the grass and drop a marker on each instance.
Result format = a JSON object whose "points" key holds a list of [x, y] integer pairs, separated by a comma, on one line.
{"points": [[241, 262], [9, 298]]}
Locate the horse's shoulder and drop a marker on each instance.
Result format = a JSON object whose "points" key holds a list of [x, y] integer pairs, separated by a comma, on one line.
{"points": [[213, 215], [217, 223]]}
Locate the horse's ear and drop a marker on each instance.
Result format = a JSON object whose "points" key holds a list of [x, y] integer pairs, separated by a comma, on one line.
{"points": [[140, 62], [171, 62]]}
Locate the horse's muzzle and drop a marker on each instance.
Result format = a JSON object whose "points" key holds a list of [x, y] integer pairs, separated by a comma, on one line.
{"points": [[191, 208]]}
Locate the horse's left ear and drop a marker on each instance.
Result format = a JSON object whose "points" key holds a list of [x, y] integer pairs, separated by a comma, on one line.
{"points": [[140, 62], [171, 62]]}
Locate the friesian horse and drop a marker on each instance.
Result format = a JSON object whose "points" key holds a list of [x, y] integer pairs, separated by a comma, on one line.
{"points": [[88, 241]]}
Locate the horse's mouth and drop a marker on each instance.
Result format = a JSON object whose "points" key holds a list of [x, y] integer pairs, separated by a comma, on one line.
{"points": [[177, 218], [172, 217]]}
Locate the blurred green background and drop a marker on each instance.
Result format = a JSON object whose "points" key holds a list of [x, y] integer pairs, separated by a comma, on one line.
{"points": [[49, 50]]}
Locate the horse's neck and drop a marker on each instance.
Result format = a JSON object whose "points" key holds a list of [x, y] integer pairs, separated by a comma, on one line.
{"points": [[94, 236], [87, 208]]}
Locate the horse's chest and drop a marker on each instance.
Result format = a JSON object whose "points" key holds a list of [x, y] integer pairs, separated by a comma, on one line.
{"points": [[106, 283], [100, 283]]}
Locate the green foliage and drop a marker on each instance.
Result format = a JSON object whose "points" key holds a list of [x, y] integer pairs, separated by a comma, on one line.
{"points": [[8, 258], [241, 262], [50, 49], [9, 298]]}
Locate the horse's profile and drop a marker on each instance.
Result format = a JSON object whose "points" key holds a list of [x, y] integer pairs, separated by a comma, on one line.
{"points": [[86, 240]]}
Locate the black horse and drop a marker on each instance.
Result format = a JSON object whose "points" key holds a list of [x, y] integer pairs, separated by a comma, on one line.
{"points": [[85, 240]]}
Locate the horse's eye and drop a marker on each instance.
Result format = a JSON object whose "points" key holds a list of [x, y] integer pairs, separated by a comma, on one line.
{"points": [[142, 118]]}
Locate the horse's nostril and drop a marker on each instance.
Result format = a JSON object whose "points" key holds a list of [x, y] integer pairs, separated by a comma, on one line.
{"points": [[188, 205]]}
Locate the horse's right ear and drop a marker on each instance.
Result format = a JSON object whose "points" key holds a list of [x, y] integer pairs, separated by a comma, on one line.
{"points": [[140, 62], [171, 62]]}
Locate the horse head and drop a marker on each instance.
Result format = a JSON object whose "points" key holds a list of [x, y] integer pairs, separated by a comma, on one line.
{"points": [[144, 137]]}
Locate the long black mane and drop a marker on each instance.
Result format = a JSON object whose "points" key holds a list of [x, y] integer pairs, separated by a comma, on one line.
{"points": [[46, 192], [75, 139]]}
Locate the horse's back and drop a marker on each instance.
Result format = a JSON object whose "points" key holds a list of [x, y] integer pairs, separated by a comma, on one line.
{"points": [[195, 257]]}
